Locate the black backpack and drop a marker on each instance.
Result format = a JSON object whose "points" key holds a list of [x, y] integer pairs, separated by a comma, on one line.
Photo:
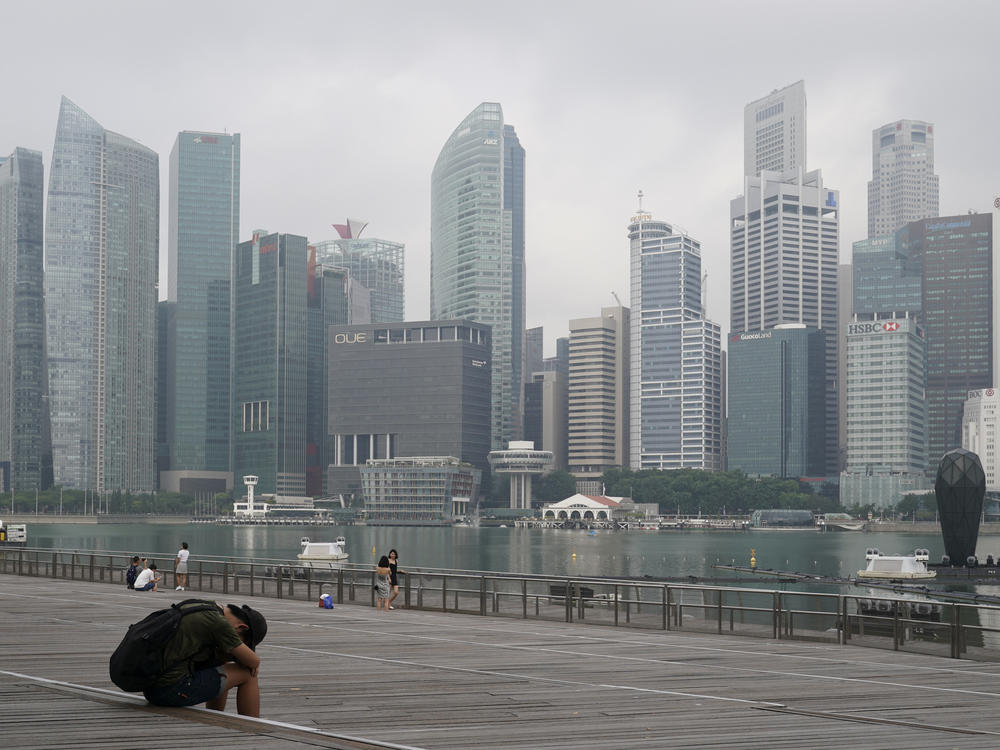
{"points": [[138, 660], [130, 575]]}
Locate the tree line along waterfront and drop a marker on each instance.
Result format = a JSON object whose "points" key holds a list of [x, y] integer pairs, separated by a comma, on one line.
{"points": [[682, 492]]}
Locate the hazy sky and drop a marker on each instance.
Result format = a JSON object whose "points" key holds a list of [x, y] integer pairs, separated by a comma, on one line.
{"points": [[344, 106]]}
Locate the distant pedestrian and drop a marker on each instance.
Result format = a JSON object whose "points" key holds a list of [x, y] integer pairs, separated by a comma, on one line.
{"points": [[382, 586], [147, 578], [394, 572], [181, 567]]}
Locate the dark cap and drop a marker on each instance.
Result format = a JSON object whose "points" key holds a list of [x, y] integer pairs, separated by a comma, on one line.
{"points": [[255, 622]]}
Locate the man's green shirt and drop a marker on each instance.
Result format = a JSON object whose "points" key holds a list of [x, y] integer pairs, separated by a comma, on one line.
{"points": [[203, 639]]}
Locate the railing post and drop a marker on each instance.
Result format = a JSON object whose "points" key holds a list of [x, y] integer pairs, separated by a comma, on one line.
{"points": [[956, 628], [406, 590], [524, 598], [845, 623], [666, 608], [277, 582], [444, 593], [719, 594], [225, 577], [895, 626], [616, 604], [482, 596], [776, 616], [92, 568], [201, 574]]}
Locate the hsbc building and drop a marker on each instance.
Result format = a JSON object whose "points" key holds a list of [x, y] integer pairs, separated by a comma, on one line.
{"points": [[886, 409]]}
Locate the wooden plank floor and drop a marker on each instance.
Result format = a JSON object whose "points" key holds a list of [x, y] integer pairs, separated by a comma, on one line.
{"points": [[431, 680]]}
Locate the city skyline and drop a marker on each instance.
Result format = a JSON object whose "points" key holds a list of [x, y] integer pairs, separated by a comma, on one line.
{"points": [[682, 147]]}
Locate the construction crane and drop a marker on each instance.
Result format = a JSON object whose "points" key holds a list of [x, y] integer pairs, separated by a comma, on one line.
{"points": [[616, 299]]}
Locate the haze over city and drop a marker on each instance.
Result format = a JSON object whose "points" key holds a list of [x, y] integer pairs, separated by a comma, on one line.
{"points": [[343, 110]]}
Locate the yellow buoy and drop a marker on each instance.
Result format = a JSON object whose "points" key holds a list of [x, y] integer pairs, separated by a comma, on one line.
{"points": [[753, 559]]}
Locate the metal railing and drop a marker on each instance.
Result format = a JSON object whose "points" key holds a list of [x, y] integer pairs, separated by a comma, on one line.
{"points": [[949, 629]]}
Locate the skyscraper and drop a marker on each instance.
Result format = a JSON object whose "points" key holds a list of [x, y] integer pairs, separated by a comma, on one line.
{"points": [[378, 265], [774, 131], [784, 237], [598, 393], [903, 187], [24, 430], [202, 236], [101, 268], [270, 361], [676, 354], [477, 249]]}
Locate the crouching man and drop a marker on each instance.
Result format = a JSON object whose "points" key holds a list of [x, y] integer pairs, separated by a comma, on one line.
{"points": [[212, 652]]}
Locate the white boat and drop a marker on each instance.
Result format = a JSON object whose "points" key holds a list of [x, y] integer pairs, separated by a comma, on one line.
{"points": [[897, 567], [322, 554], [839, 522]]}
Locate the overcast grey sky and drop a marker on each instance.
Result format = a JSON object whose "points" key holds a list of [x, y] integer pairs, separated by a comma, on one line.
{"points": [[344, 106]]}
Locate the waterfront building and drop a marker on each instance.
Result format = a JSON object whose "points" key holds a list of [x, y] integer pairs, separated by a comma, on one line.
{"points": [[597, 393], [545, 414], [101, 274], [521, 461], [202, 234], [959, 310], [327, 305], [407, 389], [377, 264], [776, 402], [477, 249], [774, 131], [980, 423], [590, 508], [886, 410], [676, 385], [419, 490], [903, 187], [270, 361], [784, 240], [24, 433]]}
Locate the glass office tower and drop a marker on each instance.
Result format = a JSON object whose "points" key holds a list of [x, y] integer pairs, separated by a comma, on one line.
{"points": [[24, 434], [903, 187], [477, 207], [676, 354], [202, 236], [101, 274], [378, 265], [270, 361]]}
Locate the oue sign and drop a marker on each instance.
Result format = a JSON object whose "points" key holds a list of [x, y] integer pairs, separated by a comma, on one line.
{"points": [[350, 338]]}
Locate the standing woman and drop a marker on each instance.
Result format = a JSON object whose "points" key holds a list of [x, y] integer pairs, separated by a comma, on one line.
{"points": [[394, 576], [382, 573]]}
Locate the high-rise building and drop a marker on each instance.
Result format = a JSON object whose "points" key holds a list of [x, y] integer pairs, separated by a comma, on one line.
{"points": [[270, 361], [776, 402], [958, 309], [477, 272], [903, 187], [534, 359], [24, 433], [101, 269], [845, 310], [676, 354], [886, 410], [598, 393], [980, 429], [784, 238], [378, 265], [545, 414], [885, 278], [407, 389], [328, 305], [774, 132], [203, 232]]}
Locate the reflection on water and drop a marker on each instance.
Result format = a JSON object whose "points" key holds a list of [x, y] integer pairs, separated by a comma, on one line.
{"points": [[537, 551]]}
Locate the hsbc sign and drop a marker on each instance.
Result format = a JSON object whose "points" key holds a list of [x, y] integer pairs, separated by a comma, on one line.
{"points": [[878, 326]]}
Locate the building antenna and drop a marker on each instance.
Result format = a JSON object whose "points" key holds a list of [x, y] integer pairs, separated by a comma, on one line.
{"points": [[640, 201]]}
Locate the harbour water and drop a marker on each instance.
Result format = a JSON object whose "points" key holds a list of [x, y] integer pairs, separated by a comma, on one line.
{"points": [[519, 551]]}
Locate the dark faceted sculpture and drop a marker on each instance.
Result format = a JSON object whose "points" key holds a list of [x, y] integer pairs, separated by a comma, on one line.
{"points": [[960, 487]]}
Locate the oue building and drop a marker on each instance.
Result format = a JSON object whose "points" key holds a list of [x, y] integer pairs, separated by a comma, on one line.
{"points": [[407, 389]]}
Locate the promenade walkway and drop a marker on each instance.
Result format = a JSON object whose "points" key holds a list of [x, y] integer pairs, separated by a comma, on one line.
{"points": [[423, 679]]}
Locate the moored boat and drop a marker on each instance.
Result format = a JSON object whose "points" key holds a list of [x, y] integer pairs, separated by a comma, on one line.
{"points": [[323, 554], [897, 567]]}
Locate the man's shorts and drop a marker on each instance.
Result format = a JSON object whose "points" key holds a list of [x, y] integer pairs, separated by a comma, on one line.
{"points": [[182, 568], [191, 690]]}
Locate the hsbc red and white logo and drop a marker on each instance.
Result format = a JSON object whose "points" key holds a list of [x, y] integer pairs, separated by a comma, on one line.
{"points": [[876, 327]]}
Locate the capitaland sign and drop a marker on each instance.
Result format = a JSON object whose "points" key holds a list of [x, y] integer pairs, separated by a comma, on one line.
{"points": [[877, 326], [357, 337]]}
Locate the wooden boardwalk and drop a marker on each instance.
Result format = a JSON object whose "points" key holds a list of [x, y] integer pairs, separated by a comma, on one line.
{"points": [[354, 678]]}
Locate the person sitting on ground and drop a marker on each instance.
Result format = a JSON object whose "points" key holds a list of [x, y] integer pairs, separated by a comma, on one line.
{"points": [[212, 652], [147, 578], [132, 573]]}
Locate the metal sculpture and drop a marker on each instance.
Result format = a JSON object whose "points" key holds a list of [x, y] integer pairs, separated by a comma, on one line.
{"points": [[959, 488]]}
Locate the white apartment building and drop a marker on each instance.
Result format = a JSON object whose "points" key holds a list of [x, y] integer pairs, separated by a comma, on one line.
{"points": [[979, 431], [903, 187], [774, 131]]}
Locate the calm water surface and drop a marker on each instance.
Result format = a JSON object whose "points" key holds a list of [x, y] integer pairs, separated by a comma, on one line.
{"points": [[537, 551]]}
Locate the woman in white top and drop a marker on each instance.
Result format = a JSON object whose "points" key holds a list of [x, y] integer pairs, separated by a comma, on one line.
{"points": [[181, 567]]}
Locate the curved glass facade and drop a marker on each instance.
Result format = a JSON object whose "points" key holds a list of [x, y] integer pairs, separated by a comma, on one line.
{"points": [[472, 248]]}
